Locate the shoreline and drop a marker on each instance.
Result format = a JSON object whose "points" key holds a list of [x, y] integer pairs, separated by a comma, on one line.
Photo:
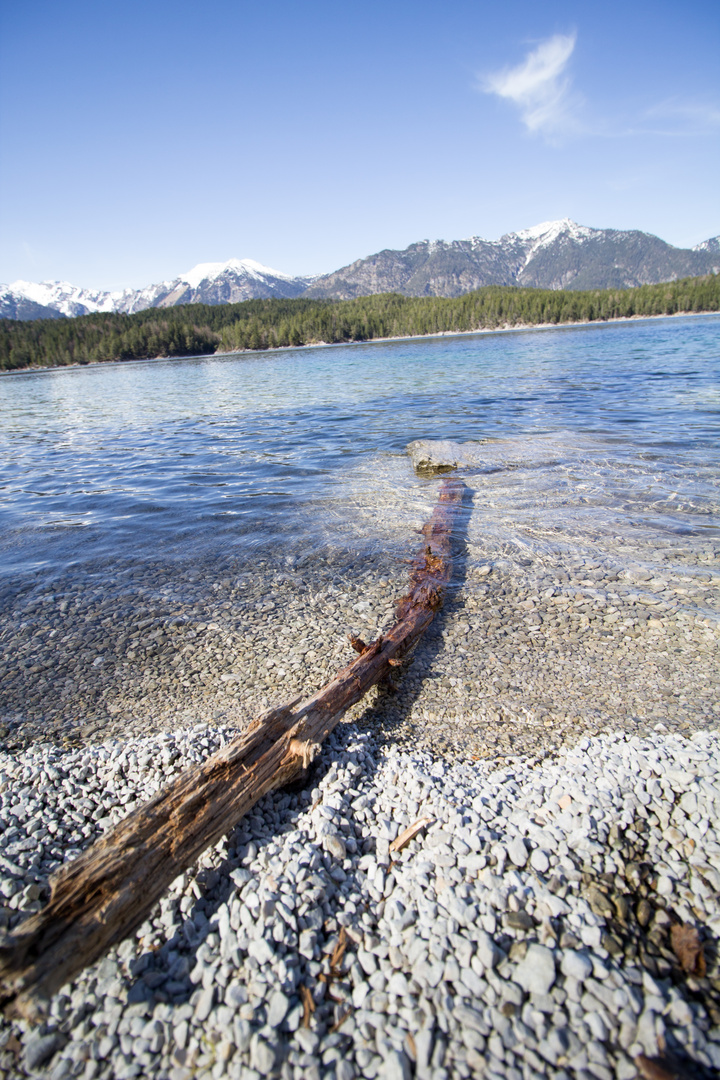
{"points": [[506, 329], [516, 662]]}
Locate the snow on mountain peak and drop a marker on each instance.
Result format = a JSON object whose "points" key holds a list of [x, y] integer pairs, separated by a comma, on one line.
{"points": [[711, 245], [42, 292], [539, 236], [244, 279], [66, 298], [204, 272], [547, 231], [258, 268]]}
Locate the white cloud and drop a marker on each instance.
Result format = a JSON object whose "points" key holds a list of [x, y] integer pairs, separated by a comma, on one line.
{"points": [[540, 88]]}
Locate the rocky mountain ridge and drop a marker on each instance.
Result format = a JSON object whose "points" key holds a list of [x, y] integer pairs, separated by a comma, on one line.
{"points": [[553, 255]]}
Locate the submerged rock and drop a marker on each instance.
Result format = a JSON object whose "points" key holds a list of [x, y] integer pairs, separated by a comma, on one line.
{"points": [[442, 455]]}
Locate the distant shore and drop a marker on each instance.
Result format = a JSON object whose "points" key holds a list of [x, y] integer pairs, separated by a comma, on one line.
{"points": [[508, 328], [505, 329]]}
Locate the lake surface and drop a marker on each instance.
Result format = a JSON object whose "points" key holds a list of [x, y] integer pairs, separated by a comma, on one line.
{"points": [[149, 482], [117, 461]]}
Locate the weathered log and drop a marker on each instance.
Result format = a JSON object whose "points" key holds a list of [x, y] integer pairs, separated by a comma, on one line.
{"points": [[104, 894]]}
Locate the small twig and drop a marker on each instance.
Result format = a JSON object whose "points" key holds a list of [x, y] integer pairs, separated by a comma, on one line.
{"points": [[339, 950], [410, 833], [308, 1003]]}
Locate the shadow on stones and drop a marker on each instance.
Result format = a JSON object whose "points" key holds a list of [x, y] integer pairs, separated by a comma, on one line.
{"points": [[638, 925], [163, 974]]}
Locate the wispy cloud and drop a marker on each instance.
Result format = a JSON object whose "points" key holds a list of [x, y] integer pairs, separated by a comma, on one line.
{"points": [[540, 87], [677, 117], [670, 119]]}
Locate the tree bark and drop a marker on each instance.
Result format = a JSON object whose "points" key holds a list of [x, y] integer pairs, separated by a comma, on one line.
{"points": [[104, 894]]}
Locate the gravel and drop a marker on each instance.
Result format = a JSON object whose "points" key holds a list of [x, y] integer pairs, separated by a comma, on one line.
{"points": [[462, 955], [557, 723]]}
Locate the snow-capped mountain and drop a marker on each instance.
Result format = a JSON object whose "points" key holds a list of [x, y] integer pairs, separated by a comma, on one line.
{"points": [[228, 283], [553, 255], [206, 283], [712, 245], [62, 298], [14, 305]]}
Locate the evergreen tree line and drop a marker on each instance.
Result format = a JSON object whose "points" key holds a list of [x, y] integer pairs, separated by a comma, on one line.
{"points": [[203, 329]]}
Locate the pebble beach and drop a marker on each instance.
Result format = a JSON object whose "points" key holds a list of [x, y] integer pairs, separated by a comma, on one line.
{"points": [[553, 739], [526, 931]]}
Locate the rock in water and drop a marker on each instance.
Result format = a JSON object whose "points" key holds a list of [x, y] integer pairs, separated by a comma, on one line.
{"points": [[434, 456]]}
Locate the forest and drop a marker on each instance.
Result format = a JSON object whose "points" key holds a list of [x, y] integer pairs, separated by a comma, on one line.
{"points": [[203, 329]]}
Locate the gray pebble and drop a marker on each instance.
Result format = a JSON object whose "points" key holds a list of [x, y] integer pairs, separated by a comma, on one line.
{"points": [[423, 930], [536, 971], [277, 1009], [40, 1048], [396, 1066], [540, 861], [517, 851], [335, 846], [576, 965]]}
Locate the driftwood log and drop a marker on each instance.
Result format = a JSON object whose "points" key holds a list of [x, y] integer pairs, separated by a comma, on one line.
{"points": [[104, 894]]}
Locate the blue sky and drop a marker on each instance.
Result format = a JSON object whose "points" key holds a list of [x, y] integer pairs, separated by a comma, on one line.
{"points": [[140, 138]]}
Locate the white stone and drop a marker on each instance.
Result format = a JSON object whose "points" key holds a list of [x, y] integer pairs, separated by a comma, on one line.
{"points": [[261, 951], [277, 1009], [306, 945], [205, 1003], [576, 965], [486, 950], [395, 1067], [539, 861], [536, 971], [262, 1055], [307, 1039], [398, 984]]}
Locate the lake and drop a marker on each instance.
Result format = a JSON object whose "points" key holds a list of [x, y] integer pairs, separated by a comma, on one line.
{"points": [[221, 491]]}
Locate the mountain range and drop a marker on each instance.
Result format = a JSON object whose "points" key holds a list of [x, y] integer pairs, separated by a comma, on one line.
{"points": [[206, 283], [554, 255]]}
